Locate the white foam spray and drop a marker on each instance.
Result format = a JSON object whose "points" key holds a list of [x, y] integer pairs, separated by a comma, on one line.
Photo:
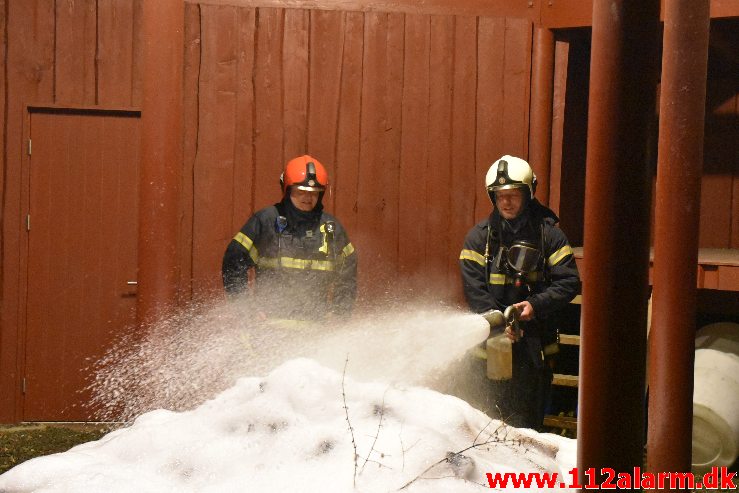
{"points": [[202, 351]]}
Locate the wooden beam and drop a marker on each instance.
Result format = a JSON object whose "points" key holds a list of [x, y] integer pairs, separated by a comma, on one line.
{"points": [[566, 422], [161, 158], [567, 13], [552, 14], [540, 129], [569, 340], [565, 380], [486, 8], [724, 8]]}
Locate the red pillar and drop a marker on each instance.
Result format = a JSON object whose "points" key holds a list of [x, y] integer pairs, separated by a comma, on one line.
{"points": [[623, 77], [680, 163], [161, 156], [542, 93]]}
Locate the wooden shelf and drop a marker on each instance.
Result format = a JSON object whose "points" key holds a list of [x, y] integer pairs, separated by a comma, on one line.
{"points": [[565, 380], [565, 422], [569, 339]]}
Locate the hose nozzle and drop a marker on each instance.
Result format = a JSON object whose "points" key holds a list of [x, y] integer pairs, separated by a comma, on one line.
{"points": [[511, 320], [495, 318]]}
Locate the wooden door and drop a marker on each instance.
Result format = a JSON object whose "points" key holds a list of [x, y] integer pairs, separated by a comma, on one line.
{"points": [[81, 253]]}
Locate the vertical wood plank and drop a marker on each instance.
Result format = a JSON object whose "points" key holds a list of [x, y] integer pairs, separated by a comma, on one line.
{"points": [[561, 56], [138, 50], [295, 82], [719, 163], [268, 83], [3, 122], [414, 146], [191, 76], [30, 77], [369, 194], [348, 131], [327, 52], [379, 153], [243, 175], [492, 122], [391, 141], [517, 84], [115, 60], [464, 123], [76, 44], [441, 253], [214, 163]]}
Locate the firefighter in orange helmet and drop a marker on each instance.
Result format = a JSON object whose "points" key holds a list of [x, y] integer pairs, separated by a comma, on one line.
{"points": [[301, 261]]}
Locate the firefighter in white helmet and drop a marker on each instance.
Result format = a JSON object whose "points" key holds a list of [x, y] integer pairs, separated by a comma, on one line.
{"points": [[518, 257], [293, 254]]}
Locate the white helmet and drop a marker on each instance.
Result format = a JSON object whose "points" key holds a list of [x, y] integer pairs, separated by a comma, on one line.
{"points": [[510, 172]]}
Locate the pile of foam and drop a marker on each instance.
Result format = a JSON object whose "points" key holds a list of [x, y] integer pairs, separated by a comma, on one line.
{"points": [[305, 428]]}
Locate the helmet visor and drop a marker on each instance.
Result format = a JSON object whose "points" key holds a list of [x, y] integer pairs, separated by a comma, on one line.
{"points": [[311, 188], [523, 257], [508, 186]]}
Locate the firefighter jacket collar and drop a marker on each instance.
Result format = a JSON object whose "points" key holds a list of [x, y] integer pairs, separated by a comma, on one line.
{"points": [[299, 221]]}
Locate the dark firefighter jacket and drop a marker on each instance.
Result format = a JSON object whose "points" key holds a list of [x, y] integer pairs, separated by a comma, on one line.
{"points": [[302, 272], [554, 284]]}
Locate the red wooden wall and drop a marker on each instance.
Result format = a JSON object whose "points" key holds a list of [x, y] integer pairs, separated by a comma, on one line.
{"points": [[406, 110], [54, 53], [406, 102]]}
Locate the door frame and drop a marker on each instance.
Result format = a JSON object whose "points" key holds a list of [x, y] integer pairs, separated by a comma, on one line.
{"points": [[24, 200]]}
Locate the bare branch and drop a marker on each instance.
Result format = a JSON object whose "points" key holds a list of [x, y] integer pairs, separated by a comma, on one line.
{"points": [[492, 438], [379, 425], [378, 463], [485, 428], [424, 472], [346, 411]]}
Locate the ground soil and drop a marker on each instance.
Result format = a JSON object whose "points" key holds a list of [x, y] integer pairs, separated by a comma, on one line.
{"points": [[18, 443]]}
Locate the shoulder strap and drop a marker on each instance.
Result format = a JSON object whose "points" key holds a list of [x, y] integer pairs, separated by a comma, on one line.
{"points": [[492, 241], [544, 255]]}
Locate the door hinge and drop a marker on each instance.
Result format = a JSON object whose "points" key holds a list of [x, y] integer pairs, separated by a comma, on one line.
{"points": [[29, 147], [28, 222], [23, 385]]}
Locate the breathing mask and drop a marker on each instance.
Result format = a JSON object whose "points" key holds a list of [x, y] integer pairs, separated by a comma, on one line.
{"points": [[518, 260]]}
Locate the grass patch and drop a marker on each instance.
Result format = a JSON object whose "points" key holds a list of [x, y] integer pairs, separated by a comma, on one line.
{"points": [[23, 442]]}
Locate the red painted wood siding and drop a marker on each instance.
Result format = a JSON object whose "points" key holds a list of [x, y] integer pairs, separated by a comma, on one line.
{"points": [[81, 54], [407, 108], [719, 224], [407, 111]]}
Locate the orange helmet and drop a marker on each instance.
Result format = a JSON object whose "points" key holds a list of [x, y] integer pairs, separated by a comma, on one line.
{"points": [[305, 173]]}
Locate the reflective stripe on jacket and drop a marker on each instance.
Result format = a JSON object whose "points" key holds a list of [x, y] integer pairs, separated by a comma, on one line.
{"points": [[488, 289], [307, 271]]}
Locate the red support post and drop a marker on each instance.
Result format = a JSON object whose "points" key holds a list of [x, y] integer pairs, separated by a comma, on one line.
{"points": [[623, 78], [161, 157], [542, 94], [679, 168]]}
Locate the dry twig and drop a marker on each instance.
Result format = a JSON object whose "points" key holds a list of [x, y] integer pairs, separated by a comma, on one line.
{"points": [[379, 425], [492, 438], [346, 411]]}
